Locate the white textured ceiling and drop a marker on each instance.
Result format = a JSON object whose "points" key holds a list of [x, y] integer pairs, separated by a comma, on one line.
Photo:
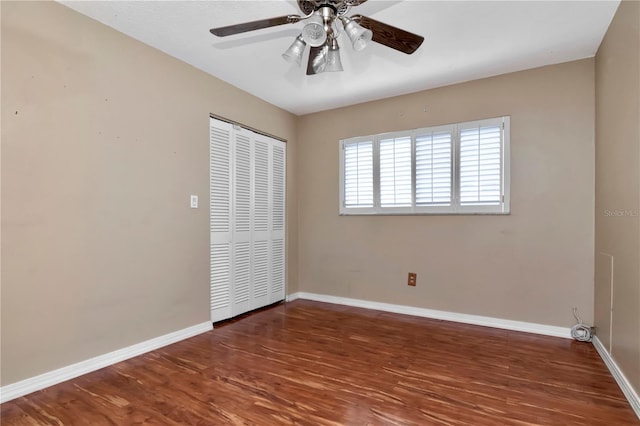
{"points": [[464, 40]]}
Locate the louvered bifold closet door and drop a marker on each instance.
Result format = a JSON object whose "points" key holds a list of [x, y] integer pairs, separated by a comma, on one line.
{"points": [[220, 220], [247, 220], [242, 218], [261, 222], [278, 205]]}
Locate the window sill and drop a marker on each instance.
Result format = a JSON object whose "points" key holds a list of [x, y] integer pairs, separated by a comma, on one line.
{"points": [[508, 213]]}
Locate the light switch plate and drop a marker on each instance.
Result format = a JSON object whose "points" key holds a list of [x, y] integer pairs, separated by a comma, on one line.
{"points": [[194, 201]]}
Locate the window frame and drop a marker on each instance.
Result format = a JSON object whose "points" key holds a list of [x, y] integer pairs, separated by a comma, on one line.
{"points": [[455, 208]]}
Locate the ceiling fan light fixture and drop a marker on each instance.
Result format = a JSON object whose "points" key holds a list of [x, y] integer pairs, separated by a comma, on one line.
{"points": [[319, 60], [295, 51], [313, 33], [333, 57], [324, 21], [358, 35]]}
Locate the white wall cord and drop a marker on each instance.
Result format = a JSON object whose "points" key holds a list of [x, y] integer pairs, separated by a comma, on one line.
{"points": [[580, 331]]}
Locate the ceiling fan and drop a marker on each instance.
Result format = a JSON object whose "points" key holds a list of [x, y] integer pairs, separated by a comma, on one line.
{"points": [[324, 21]]}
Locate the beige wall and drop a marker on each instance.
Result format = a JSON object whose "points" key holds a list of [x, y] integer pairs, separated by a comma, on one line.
{"points": [[533, 265], [617, 208], [103, 141], [104, 138]]}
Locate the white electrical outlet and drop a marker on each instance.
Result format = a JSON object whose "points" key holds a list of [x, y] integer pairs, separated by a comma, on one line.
{"points": [[194, 201]]}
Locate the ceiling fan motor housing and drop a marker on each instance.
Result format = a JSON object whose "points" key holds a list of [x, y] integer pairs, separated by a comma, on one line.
{"points": [[339, 7]]}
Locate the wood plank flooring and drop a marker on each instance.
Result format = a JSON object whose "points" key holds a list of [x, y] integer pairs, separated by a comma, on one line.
{"points": [[310, 363]]}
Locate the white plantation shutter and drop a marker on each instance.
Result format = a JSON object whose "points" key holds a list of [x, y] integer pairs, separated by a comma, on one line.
{"points": [[247, 193], [395, 172], [453, 169], [481, 164], [358, 174], [434, 160]]}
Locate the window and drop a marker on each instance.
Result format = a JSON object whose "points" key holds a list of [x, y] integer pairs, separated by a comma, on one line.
{"points": [[358, 174], [460, 168]]}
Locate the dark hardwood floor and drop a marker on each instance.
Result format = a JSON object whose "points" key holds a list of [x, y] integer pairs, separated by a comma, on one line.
{"points": [[310, 363]]}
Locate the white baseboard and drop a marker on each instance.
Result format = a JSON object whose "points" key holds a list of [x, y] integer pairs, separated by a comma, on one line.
{"points": [[618, 375], [291, 297], [18, 389], [547, 330]]}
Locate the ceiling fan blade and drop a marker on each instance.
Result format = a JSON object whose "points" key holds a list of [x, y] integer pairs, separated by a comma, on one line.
{"points": [[390, 36], [254, 25], [317, 60]]}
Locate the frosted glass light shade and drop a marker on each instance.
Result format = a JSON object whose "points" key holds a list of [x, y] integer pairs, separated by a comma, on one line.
{"points": [[333, 58], [319, 62], [313, 32], [295, 51], [358, 35]]}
